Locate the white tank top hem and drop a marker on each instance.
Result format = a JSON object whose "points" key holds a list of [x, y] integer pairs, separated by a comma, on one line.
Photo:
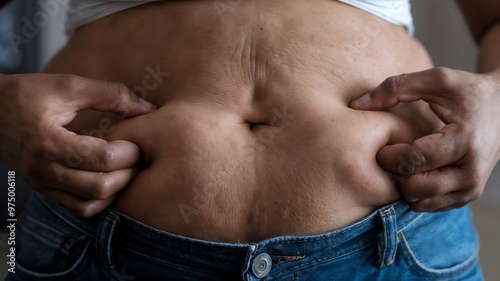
{"points": [[82, 12], [397, 12]]}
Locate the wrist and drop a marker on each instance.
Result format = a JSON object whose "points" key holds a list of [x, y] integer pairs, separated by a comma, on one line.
{"points": [[489, 54], [495, 78]]}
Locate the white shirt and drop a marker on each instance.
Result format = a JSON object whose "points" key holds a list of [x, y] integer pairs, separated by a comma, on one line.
{"points": [[82, 12]]}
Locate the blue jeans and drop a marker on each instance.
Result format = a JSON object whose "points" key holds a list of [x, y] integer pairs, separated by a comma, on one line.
{"points": [[393, 243]]}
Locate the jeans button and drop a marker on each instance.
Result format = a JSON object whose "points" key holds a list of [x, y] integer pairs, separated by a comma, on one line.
{"points": [[261, 265]]}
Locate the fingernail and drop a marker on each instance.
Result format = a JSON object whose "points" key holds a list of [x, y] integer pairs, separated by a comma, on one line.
{"points": [[362, 101], [147, 104]]}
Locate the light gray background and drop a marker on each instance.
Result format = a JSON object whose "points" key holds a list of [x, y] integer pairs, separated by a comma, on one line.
{"points": [[441, 28]]}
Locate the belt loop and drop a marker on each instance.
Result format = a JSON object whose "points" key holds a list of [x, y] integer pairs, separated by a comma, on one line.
{"points": [[104, 237], [252, 248], [388, 245]]}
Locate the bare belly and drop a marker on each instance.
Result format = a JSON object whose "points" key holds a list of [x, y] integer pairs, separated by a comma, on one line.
{"points": [[253, 137]]}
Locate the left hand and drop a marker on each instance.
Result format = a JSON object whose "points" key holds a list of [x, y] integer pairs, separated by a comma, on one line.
{"points": [[448, 168]]}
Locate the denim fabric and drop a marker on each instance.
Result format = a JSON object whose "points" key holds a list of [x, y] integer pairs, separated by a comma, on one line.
{"points": [[393, 243]]}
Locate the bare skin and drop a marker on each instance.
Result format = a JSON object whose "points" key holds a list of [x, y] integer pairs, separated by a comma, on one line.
{"points": [[449, 168], [71, 168], [253, 136]]}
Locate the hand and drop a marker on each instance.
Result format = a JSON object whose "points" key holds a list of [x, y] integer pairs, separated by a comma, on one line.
{"points": [[82, 173], [448, 168]]}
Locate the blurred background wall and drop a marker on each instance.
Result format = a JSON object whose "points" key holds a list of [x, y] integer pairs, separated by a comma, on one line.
{"points": [[439, 26]]}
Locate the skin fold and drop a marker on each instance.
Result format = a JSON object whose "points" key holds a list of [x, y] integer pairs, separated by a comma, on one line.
{"points": [[449, 167], [253, 136]]}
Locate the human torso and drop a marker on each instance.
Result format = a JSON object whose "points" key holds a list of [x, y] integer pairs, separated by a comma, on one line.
{"points": [[253, 136]]}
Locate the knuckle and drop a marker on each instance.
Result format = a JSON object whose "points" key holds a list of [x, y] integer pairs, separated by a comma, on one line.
{"points": [[101, 188], [394, 83], [122, 99], [475, 194], [86, 210], [120, 90], [473, 181], [67, 83], [473, 185], [106, 158], [445, 76]]}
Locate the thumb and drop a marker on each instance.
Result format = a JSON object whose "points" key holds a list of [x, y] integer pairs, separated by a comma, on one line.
{"points": [[370, 101], [106, 96], [424, 154], [402, 88]]}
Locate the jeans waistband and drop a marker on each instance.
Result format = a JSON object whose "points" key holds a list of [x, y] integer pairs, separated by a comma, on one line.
{"points": [[112, 229]]}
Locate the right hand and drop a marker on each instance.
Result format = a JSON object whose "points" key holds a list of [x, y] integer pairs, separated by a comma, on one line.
{"points": [[82, 173], [448, 167]]}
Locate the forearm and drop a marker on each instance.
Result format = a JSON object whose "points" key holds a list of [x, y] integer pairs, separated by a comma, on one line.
{"points": [[489, 52], [483, 18], [489, 63]]}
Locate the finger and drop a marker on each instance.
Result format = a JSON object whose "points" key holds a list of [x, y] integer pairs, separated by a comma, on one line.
{"points": [[80, 206], [425, 85], [424, 154], [451, 207], [440, 204], [105, 96], [430, 184], [92, 185], [440, 188], [94, 154]]}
